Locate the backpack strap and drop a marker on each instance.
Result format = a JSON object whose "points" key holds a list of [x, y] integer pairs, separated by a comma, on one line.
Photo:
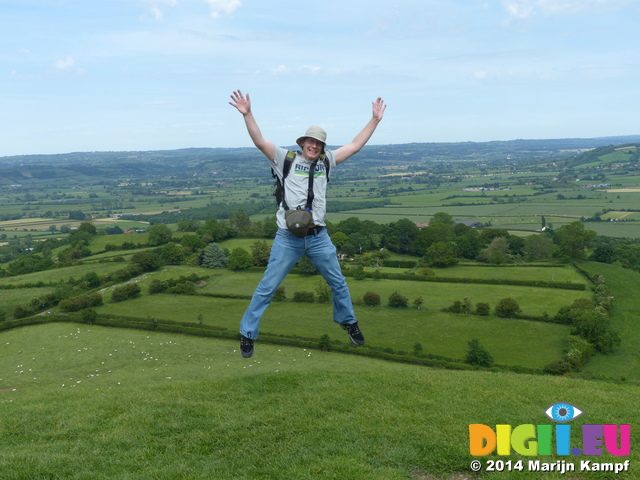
{"points": [[279, 184]]}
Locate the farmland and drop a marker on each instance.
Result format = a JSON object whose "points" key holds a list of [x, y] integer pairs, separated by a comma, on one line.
{"points": [[152, 385]]}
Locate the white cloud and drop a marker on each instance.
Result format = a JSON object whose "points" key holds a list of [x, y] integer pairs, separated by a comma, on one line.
{"points": [[223, 6], [521, 9], [312, 69], [280, 70], [65, 63]]}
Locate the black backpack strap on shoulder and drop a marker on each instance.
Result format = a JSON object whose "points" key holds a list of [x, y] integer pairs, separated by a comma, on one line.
{"points": [[279, 184], [327, 165], [288, 160], [310, 194]]}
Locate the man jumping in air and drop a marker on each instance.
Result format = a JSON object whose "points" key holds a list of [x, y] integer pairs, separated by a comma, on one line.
{"points": [[302, 237]]}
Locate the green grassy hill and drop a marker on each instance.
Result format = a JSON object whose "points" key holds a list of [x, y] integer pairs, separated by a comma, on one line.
{"points": [[87, 402]]}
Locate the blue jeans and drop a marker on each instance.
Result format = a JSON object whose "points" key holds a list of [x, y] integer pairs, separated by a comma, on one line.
{"points": [[286, 250]]}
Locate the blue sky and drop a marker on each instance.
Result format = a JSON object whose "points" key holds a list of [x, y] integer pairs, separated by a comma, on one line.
{"points": [[97, 75]]}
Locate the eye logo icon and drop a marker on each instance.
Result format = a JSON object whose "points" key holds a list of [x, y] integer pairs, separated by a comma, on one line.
{"points": [[563, 412]]}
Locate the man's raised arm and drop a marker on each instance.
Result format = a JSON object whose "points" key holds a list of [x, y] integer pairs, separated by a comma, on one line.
{"points": [[342, 153], [243, 105]]}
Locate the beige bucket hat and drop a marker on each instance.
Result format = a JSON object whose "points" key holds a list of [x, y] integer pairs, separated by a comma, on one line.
{"points": [[313, 132]]}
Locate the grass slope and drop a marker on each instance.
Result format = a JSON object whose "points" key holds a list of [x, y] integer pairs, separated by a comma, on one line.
{"points": [[95, 403]]}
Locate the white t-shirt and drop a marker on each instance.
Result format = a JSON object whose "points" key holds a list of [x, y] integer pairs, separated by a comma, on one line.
{"points": [[297, 183]]}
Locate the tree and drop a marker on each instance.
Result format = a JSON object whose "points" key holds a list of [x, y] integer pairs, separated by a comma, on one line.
{"points": [[240, 221], [496, 253], [159, 234], [305, 267], [214, 257], [478, 355], [417, 302], [339, 239], [538, 247], [507, 308], [172, 254], [441, 217], [260, 252], [602, 254], [191, 243], [440, 254], [214, 229], [240, 259], [572, 240], [146, 260]]}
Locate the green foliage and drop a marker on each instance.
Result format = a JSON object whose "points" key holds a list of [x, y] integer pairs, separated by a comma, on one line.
{"points": [[483, 309], [323, 291], [573, 240], [371, 299], [239, 259], [159, 234], [28, 264], [305, 267], [359, 273], [507, 308], [303, 297], [397, 300], [214, 256], [478, 355], [146, 261], [441, 254], [80, 302], [280, 294], [417, 302], [324, 343], [260, 252], [125, 292]]}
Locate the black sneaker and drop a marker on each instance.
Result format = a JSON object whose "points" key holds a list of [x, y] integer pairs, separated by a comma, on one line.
{"points": [[246, 346], [354, 333]]}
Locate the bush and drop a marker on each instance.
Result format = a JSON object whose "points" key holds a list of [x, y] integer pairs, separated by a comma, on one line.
{"points": [[280, 295], [478, 355], [240, 259], [80, 302], [371, 299], [359, 273], [507, 308], [125, 292], [397, 300], [482, 309], [324, 343], [303, 297], [417, 302], [157, 286], [185, 288], [323, 290], [558, 367]]}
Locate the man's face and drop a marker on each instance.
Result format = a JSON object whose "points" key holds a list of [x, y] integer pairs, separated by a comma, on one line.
{"points": [[311, 148]]}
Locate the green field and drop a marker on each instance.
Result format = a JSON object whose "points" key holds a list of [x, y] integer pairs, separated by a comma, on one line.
{"points": [[81, 401], [100, 403]]}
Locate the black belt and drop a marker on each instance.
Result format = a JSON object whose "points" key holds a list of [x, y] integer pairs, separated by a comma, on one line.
{"points": [[315, 230]]}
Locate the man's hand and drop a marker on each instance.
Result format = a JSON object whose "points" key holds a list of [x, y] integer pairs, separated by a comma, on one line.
{"points": [[241, 103], [378, 108]]}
